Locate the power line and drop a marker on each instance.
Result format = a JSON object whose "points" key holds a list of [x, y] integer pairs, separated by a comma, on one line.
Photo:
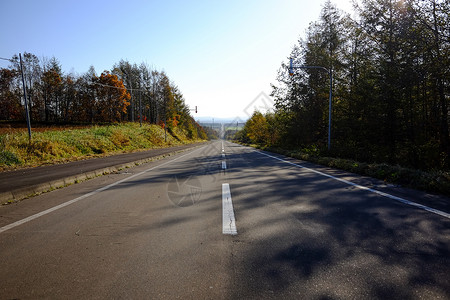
{"points": [[120, 88]]}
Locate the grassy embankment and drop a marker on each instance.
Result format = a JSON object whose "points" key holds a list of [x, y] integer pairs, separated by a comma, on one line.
{"points": [[430, 181], [57, 145]]}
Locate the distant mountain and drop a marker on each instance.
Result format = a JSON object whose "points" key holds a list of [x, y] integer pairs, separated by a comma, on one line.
{"points": [[220, 120]]}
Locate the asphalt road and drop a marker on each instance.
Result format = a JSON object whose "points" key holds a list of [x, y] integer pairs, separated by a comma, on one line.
{"points": [[19, 184], [159, 231]]}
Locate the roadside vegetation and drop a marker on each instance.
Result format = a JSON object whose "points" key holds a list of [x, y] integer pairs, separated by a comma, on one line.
{"points": [[62, 144], [259, 132], [434, 181], [391, 86], [119, 99]]}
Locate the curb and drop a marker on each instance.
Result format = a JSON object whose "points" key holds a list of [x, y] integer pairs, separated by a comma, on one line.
{"points": [[37, 189]]}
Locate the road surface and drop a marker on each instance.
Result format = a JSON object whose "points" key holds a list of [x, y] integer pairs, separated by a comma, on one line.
{"points": [[223, 221], [19, 184]]}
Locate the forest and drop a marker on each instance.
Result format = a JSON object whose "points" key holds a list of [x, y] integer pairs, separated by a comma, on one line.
{"points": [[127, 93], [390, 63]]}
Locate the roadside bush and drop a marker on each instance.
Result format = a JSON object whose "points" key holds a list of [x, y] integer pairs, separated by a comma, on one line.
{"points": [[9, 158], [119, 139]]}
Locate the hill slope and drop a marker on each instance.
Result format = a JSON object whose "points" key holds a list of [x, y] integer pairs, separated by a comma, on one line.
{"points": [[59, 145]]}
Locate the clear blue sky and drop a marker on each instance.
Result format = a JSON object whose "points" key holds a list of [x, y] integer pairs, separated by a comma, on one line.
{"points": [[221, 54]]}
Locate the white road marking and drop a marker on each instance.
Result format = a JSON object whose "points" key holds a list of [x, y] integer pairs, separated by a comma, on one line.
{"points": [[223, 155], [224, 165], [228, 220], [402, 200], [45, 212]]}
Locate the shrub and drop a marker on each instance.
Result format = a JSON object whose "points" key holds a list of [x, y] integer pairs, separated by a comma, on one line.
{"points": [[8, 158], [119, 139]]}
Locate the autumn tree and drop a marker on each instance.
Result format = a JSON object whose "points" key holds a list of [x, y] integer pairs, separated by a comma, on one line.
{"points": [[70, 105], [112, 98], [58, 97], [51, 86], [256, 128], [10, 106]]}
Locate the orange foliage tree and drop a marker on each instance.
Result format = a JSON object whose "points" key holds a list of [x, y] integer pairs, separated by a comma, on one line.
{"points": [[112, 98]]}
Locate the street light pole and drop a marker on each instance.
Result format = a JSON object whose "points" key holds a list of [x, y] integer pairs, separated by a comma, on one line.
{"points": [[330, 73], [140, 104], [27, 114], [165, 120], [329, 109]]}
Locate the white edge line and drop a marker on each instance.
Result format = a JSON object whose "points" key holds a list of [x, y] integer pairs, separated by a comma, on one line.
{"points": [[47, 211], [402, 200], [228, 219]]}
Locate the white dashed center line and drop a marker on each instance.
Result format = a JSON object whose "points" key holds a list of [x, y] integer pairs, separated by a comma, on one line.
{"points": [[228, 220]]}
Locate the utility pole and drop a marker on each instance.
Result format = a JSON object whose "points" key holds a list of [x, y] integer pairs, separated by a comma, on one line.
{"points": [[330, 73], [27, 114], [165, 120], [131, 100], [140, 104]]}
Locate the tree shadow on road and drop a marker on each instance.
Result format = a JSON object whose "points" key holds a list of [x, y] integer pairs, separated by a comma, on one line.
{"points": [[302, 235]]}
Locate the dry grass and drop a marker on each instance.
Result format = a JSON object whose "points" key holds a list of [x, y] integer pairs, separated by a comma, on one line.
{"points": [[52, 144]]}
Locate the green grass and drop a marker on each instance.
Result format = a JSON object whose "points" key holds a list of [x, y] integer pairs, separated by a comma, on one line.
{"points": [[54, 146]]}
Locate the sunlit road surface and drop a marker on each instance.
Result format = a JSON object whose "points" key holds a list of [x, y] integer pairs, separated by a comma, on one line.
{"points": [[224, 221]]}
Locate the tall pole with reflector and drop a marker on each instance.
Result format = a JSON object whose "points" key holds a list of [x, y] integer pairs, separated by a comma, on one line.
{"points": [[27, 114], [330, 73]]}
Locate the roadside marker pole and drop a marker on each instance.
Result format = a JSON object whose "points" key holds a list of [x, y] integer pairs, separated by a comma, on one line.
{"points": [[27, 114]]}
